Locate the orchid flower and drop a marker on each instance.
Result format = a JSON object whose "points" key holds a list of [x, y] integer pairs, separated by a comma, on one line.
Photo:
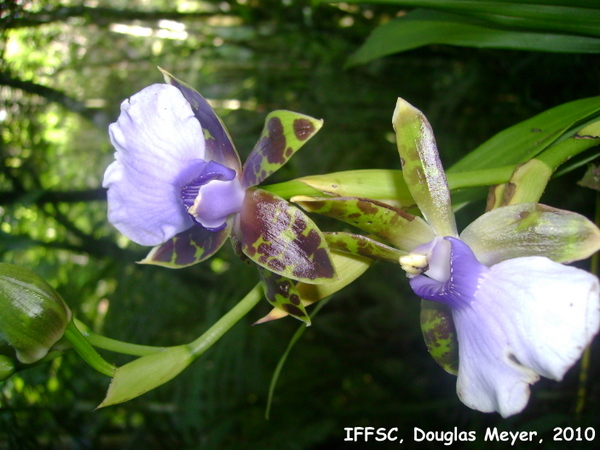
{"points": [[500, 288], [177, 184]]}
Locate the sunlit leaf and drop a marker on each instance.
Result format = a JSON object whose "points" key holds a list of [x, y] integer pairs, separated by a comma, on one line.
{"points": [[188, 247], [284, 133], [282, 239], [403, 230], [219, 146]]}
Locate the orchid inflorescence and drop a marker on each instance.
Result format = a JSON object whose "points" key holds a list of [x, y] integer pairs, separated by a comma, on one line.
{"points": [[493, 296]]}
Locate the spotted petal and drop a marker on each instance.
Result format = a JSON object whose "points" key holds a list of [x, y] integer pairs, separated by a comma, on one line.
{"points": [[391, 224], [281, 292], [519, 319], [219, 146], [284, 133], [158, 141], [189, 247], [531, 229], [282, 239]]}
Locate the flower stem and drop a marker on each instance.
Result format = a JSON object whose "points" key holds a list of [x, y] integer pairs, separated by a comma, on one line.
{"points": [[214, 333], [114, 345], [86, 351]]}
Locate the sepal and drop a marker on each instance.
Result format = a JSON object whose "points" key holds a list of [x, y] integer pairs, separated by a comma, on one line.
{"points": [[363, 246], [422, 168], [439, 334], [403, 230], [282, 239], [282, 294], [189, 247], [284, 133], [218, 143], [531, 229]]}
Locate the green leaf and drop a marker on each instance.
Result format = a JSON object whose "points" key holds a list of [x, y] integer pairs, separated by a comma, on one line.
{"points": [[282, 239], [284, 133], [422, 168], [527, 139], [403, 230], [281, 292], [218, 144], [189, 247], [531, 229], [146, 373], [364, 246], [439, 334], [421, 27], [562, 17]]}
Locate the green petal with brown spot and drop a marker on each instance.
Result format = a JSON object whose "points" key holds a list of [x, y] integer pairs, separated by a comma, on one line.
{"points": [[284, 133], [359, 245], [189, 247], [440, 335], [531, 229], [422, 168], [281, 238], [281, 292], [218, 143], [393, 225]]}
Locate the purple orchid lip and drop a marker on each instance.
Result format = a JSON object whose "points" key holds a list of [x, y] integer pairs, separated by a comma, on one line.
{"points": [[463, 280], [213, 195]]}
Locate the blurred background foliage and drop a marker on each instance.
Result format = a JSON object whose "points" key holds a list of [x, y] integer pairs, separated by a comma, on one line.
{"points": [[65, 67]]}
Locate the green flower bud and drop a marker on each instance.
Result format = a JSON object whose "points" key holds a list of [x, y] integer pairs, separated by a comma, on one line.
{"points": [[7, 367], [33, 317]]}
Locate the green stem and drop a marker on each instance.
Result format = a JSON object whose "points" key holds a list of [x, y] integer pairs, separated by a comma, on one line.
{"points": [[565, 150], [86, 351], [114, 345], [214, 333]]}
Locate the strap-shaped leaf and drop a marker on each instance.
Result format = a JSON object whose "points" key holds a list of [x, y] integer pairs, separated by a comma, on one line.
{"points": [[422, 168], [403, 230], [527, 139], [188, 247], [423, 27], [363, 246], [281, 292], [282, 239], [284, 133], [531, 229], [219, 146], [439, 334]]}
